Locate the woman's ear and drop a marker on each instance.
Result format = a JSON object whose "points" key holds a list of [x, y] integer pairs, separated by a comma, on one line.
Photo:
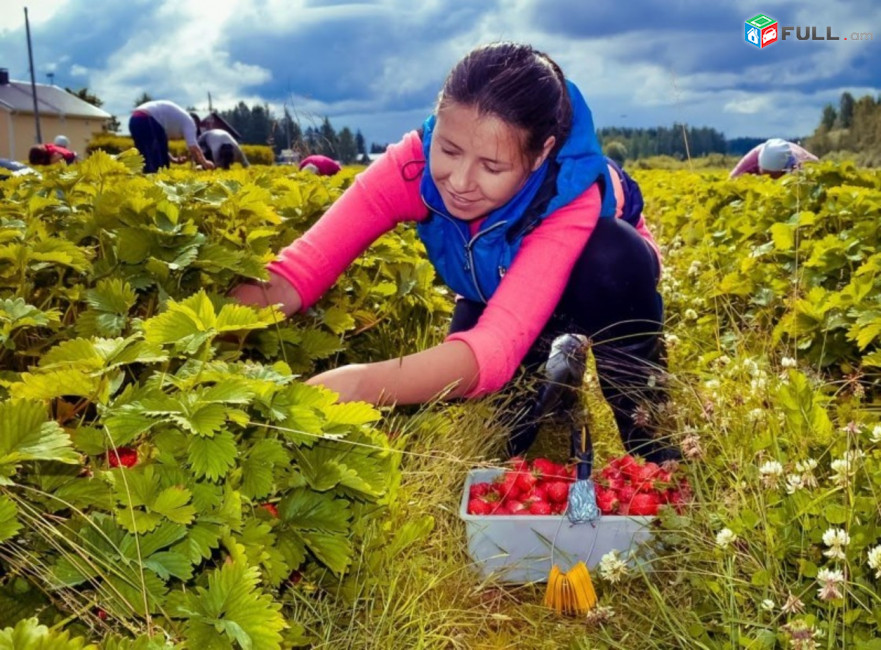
{"points": [[545, 152]]}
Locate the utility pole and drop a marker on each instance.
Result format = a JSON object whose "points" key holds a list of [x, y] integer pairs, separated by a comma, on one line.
{"points": [[27, 26]]}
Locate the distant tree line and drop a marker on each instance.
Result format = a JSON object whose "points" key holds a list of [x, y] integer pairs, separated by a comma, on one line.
{"points": [[678, 141], [853, 129], [258, 124]]}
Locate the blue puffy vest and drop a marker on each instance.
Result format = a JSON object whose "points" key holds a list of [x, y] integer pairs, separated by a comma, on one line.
{"points": [[474, 265]]}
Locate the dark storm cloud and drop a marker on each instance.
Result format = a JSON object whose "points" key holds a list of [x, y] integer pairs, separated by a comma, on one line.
{"points": [[579, 19], [83, 34], [343, 56]]}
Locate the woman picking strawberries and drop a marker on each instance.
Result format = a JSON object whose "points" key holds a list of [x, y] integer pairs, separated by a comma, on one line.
{"points": [[517, 208]]}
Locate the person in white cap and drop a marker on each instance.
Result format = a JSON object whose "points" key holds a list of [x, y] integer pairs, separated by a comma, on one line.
{"points": [[62, 141], [772, 158]]}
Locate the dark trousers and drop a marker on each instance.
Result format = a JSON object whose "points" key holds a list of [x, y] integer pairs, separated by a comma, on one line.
{"points": [[611, 298], [151, 141]]}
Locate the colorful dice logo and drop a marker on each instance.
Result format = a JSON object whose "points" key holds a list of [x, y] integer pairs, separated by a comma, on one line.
{"points": [[760, 30]]}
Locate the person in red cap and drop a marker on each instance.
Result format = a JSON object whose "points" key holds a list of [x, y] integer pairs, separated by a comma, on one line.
{"points": [[321, 165]]}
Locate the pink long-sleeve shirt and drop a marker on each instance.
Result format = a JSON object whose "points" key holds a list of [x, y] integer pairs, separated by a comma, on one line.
{"points": [[388, 193]]}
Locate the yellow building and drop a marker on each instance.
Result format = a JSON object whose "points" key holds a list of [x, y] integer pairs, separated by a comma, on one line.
{"points": [[61, 113]]}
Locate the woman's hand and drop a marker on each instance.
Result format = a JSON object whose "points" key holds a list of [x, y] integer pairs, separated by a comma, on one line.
{"points": [[276, 291], [447, 370]]}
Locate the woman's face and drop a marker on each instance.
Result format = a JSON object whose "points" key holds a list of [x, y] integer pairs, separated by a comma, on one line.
{"points": [[477, 161]]}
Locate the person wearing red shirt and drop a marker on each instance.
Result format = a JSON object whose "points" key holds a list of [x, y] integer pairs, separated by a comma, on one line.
{"points": [[321, 165], [49, 154]]}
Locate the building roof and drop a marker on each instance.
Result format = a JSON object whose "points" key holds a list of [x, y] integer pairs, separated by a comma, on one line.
{"points": [[16, 96], [215, 121]]}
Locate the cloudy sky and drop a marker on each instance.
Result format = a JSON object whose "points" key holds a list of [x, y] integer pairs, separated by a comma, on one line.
{"points": [[376, 65]]}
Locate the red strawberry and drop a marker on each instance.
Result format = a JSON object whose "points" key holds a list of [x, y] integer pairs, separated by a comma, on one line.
{"points": [[540, 492], [611, 473], [557, 491], [625, 496], [539, 508], [644, 504], [544, 467], [517, 507], [101, 614], [501, 510], [506, 486], [122, 456], [270, 508], [518, 464], [526, 481], [479, 490], [613, 483], [607, 502], [623, 463], [295, 577], [479, 507]]}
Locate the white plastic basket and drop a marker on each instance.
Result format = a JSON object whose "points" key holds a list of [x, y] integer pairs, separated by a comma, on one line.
{"points": [[522, 548]]}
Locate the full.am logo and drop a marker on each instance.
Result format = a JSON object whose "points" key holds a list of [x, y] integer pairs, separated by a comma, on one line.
{"points": [[762, 30]]}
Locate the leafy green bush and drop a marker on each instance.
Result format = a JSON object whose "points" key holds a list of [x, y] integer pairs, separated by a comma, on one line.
{"points": [[162, 468]]}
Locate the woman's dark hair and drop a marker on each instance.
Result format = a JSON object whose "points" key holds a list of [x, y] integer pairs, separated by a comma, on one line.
{"points": [[225, 156], [198, 122], [518, 84], [39, 155]]}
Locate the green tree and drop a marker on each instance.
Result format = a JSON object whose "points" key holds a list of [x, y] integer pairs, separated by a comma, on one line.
{"points": [[616, 150], [327, 143], [845, 110], [347, 151], [829, 117], [360, 146], [143, 99], [86, 96]]}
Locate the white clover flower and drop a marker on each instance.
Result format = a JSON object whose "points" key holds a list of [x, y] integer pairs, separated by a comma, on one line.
{"points": [[830, 581], [844, 468], [801, 635], [725, 537], [793, 605], [756, 415], [771, 471], [751, 367], [671, 339], [875, 436], [691, 446], [612, 567], [771, 467], [695, 268], [599, 614], [805, 466], [768, 605], [690, 314], [758, 384], [712, 385], [794, 483], [724, 360], [788, 362], [836, 539], [852, 427], [875, 560]]}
